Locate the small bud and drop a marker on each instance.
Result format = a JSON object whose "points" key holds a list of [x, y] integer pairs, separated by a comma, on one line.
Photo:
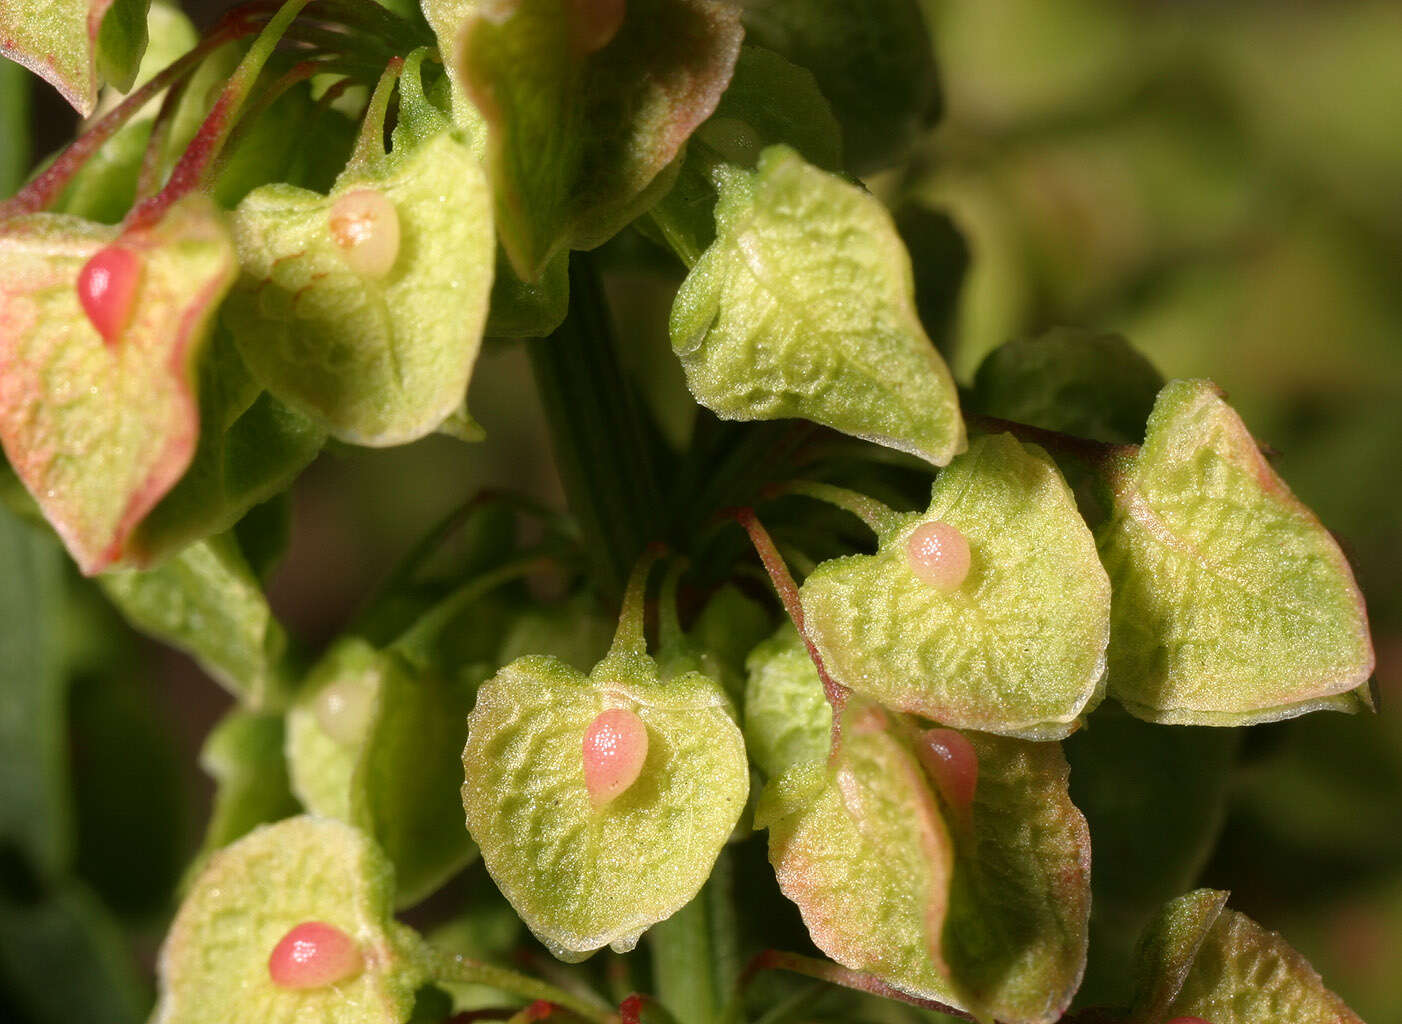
{"points": [[949, 759], [939, 555], [365, 226], [107, 287], [314, 955], [343, 709], [615, 747]]}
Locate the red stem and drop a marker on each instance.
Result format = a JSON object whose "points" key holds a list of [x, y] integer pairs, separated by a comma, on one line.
{"points": [[630, 1011], [784, 584]]}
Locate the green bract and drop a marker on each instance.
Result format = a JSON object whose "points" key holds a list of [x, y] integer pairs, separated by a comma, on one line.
{"points": [[207, 601], [787, 718], [580, 877], [804, 307], [71, 44], [243, 755], [1089, 385], [1019, 647], [585, 105], [1232, 604], [378, 356], [375, 742], [1200, 959], [100, 431], [214, 964], [993, 920]]}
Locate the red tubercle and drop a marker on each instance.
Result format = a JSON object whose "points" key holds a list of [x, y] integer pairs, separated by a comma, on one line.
{"points": [[952, 764], [615, 747], [314, 955], [107, 287], [630, 1011]]}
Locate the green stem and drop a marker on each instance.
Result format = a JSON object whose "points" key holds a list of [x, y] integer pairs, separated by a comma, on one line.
{"points": [[460, 969], [630, 639], [370, 145], [694, 952], [598, 438], [879, 516]]}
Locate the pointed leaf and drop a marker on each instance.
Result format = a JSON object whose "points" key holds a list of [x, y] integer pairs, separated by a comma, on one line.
{"points": [[214, 964], [244, 757], [100, 431], [69, 43], [364, 308], [992, 918], [584, 112], [1019, 647], [1232, 604], [1199, 959], [584, 876], [377, 744], [787, 718], [1074, 381], [207, 602], [874, 61], [804, 306]]}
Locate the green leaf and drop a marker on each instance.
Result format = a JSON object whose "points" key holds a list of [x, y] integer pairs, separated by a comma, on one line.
{"points": [[1232, 604], [1155, 798], [1200, 959], [214, 964], [1070, 380], [873, 60], [1019, 647], [35, 816], [69, 43], [376, 743], [251, 448], [583, 877], [376, 355], [121, 42], [14, 126], [208, 602], [100, 432], [787, 717], [993, 919], [244, 756], [583, 114], [804, 306]]}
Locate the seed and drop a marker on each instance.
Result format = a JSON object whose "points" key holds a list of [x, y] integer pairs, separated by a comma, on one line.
{"points": [[939, 555], [313, 955], [365, 226], [107, 287], [615, 747]]}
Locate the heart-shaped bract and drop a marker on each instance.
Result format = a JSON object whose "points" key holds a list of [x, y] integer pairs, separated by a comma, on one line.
{"points": [[1232, 603], [988, 611], [100, 427], [585, 872], [231, 952]]}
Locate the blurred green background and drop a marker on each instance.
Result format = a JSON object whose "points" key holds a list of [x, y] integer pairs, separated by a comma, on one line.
{"points": [[1219, 181]]}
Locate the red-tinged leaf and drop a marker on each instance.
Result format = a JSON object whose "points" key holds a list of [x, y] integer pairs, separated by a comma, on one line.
{"points": [[100, 429], [584, 111], [68, 44]]}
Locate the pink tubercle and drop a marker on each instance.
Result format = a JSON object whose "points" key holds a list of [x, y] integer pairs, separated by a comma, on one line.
{"points": [[594, 23], [952, 764], [107, 287], [615, 747], [313, 955], [365, 227], [939, 555]]}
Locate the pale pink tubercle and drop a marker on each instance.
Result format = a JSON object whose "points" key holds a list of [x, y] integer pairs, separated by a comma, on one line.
{"points": [[314, 955], [594, 23], [939, 555], [952, 764], [107, 287], [615, 747], [365, 227]]}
